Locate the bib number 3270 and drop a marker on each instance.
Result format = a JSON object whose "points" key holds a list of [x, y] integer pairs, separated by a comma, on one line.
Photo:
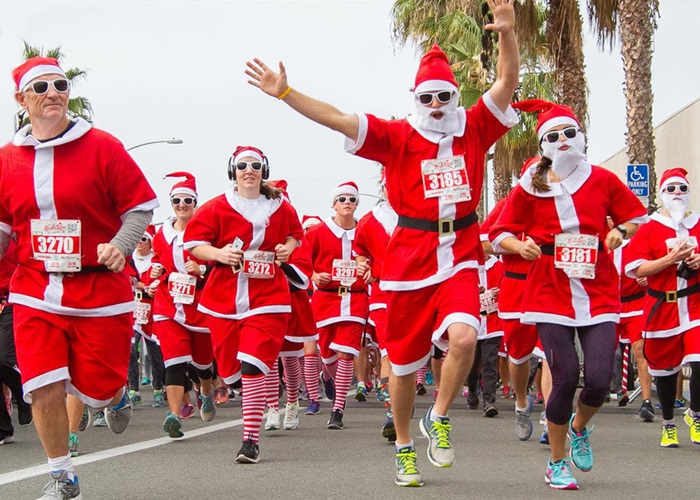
{"points": [[57, 244]]}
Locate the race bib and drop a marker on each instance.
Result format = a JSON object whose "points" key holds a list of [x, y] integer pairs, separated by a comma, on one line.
{"points": [[57, 244], [344, 271], [576, 254], [181, 287], [672, 243], [446, 178], [258, 264], [142, 312], [489, 301]]}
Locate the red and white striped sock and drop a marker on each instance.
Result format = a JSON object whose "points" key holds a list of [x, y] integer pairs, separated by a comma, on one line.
{"points": [[420, 374], [272, 386], [292, 378], [253, 405], [311, 371], [330, 370], [343, 379]]}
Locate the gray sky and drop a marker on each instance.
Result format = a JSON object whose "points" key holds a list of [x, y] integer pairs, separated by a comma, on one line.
{"points": [[162, 69]]}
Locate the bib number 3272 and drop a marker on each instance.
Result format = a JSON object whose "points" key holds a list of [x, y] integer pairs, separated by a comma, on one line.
{"points": [[258, 264], [576, 254], [446, 178], [57, 244]]}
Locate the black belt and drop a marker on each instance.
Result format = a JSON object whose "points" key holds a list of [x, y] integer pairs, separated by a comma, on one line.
{"points": [[549, 249], [516, 276], [441, 226], [341, 290], [634, 296]]}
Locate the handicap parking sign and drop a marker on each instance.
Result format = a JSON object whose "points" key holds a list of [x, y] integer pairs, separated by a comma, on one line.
{"points": [[638, 181]]}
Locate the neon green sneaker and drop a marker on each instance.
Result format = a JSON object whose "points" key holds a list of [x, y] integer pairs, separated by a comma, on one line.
{"points": [[695, 430], [440, 451], [406, 472], [669, 436]]}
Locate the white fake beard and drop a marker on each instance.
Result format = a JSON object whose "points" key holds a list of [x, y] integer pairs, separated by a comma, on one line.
{"points": [[676, 205], [565, 162], [447, 125]]}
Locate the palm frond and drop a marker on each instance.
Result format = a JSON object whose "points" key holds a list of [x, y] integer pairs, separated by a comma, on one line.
{"points": [[80, 107]]}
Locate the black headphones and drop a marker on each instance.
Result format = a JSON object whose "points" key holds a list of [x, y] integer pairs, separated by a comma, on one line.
{"points": [[232, 166]]}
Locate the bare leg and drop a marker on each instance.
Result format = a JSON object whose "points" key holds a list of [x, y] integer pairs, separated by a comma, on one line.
{"points": [[458, 362], [51, 418]]}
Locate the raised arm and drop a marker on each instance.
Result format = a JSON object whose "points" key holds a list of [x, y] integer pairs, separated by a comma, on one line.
{"points": [[508, 58], [275, 85]]}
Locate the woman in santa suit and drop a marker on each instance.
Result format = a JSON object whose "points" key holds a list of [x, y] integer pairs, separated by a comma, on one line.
{"points": [[249, 231], [572, 286], [665, 251], [179, 278]]}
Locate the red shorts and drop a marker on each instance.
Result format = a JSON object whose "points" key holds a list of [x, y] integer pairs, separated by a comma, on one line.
{"points": [[345, 336], [180, 345], [291, 349], [502, 349], [90, 354], [521, 340], [665, 355], [629, 330], [378, 318], [418, 318], [257, 340]]}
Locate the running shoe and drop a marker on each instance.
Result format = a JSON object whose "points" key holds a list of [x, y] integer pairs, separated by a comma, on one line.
{"points": [[173, 426], [490, 410], [272, 422], [472, 401], [440, 451], [135, 398], [669, 436], [207, 410], [291, 416], [221, 395], [158, 399], [687, 418], [197, 399], [361, 393], [24, 413], [336, 420], [539, 399], [383, 393], [145, 381], [98, 419], [695, 430], [60, 487], [249, 453], [506, 392], [406, 472], [314, 408], [328, 387], [581, 452], [186, 411], [523, 420], [465, 393], [303, 394], [118, 416], [559, 477], [544, 438], [7, 440], [677, 404], [73, 443], [84, 419], [646, 412], [420, 390], [389, 430], [622, 398]]}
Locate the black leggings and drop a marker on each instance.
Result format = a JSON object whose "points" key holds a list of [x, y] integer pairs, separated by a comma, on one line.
{"points": [[666, 391], [598, 343], [154, 357]]}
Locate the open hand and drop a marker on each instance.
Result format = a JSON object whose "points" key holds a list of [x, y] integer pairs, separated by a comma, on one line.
{"points": [[265, 79], [503, 16]]}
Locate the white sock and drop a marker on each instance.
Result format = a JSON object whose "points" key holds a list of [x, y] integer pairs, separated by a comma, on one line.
{"points": [[63, 463], [669, 422], [434, 416], [399, 446]]}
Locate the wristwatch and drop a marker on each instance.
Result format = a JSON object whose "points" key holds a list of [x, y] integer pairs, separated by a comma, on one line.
{"points": [[623, 229]]}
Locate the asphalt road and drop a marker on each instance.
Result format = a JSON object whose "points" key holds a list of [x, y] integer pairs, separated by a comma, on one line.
{"points": [[355, 463]]}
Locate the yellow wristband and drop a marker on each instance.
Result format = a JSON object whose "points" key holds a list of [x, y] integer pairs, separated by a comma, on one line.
{"points": [[285, 93]]}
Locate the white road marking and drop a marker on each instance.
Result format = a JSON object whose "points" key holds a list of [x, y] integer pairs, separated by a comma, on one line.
{"points": [[40, 470]]}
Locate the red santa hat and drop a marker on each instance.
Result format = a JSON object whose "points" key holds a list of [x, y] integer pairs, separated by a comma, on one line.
{"points": [[675, 175], [310, 220], [35, 67], [281, 184], [247, 151], [549, 115], [528, 163], [188, 186], [434, 72], [348, 188], [150, 232]]}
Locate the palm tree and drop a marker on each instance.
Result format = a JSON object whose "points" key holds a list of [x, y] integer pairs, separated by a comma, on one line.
{"points": [[77, 106]]}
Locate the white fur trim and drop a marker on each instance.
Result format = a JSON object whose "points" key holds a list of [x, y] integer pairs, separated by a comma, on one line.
{"points": [[37, 71], [347, 190], [435, 86], [671, 180], [248, 153], [183, 190], [554, 122]]}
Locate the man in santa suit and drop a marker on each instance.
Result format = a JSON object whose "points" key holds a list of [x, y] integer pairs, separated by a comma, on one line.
{"points": [[340, 301], [78, 204], [665, 251], [434, 164]]}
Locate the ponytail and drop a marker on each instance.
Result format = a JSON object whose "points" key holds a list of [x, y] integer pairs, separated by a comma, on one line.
{"points": [[539, 179]]}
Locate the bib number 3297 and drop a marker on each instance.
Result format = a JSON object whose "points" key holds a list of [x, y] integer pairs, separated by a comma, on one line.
{"points": [[344, 271], [57, 243]]}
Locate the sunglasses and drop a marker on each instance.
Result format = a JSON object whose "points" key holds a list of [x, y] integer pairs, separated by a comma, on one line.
{"points": [[186, 201], [144, 240], [349, 199], [682, 188], [41, 87], [443, 97], [256, 166], [554, 136]]}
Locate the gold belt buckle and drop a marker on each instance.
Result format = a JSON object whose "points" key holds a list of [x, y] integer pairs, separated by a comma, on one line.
{"points": [[446, 227], [342, 291], [672, 296], [138, 295]]}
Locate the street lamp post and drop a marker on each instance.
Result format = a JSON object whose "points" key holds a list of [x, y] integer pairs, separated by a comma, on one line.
{"points": [[165, 141]]}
